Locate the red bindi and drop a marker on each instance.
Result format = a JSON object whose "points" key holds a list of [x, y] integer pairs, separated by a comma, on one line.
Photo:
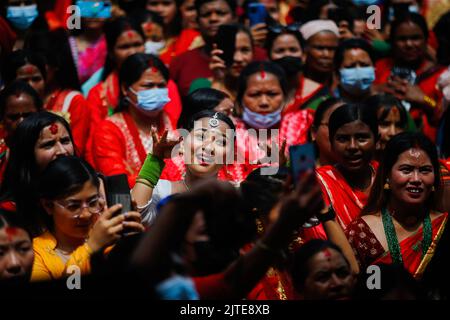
{"points": [[326, 253], [263, 73], [29, 69], [11, 232], [148, 27], [395, 112], [54, 128]]}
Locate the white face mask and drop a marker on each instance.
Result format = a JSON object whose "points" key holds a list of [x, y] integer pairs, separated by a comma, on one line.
{"points": [[152, 47]]}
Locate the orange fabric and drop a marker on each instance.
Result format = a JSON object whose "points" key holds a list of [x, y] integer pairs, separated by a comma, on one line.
{"points": [[78, 116], [49, 266], [57, 17]]}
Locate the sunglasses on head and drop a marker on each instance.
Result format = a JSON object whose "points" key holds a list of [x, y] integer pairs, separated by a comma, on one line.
{"points": [[279, 28]]}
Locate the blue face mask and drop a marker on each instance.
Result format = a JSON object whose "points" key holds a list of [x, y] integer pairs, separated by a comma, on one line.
{"points": [[365, 2], [261, 121], [95, 9], [177, 288], [21, 17], [152, 99], [357, 80]]}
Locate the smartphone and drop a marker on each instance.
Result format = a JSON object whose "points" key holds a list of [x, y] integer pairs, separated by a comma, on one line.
{"points": [[257, 13], [404, 73], [226, 41], [302, 158], [118, 191]]}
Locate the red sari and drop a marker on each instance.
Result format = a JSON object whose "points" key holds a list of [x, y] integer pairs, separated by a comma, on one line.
{"points": [[4, 153], [346, 202], [72, 106], [188, 39], [118, 147], [310, 101], [426, 80], [369, 251]]}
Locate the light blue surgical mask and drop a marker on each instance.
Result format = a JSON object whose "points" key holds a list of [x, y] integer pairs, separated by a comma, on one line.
{"points": [[261, 121], [21, 17], [152, 47], [357, 80], [95, 9], [152, 99], [177, 288]]}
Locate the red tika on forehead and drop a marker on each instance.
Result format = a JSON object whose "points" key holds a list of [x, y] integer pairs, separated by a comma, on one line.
{"points": [[263, 73], [326, 252], [54, 128], [148, 26], [11, 232], [151, 66], [28, 69], [395, 111]]}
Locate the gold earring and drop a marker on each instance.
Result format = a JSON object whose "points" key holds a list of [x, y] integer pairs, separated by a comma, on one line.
{"points": [[387, 186], [433, 189]]}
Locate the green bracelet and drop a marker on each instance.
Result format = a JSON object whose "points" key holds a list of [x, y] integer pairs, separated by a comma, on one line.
{"points": [[151, 169]]}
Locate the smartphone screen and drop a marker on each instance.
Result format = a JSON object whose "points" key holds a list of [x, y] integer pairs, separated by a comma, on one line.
{"points": [[118, 191], [226, 41], [302, 158], [257, 13]]}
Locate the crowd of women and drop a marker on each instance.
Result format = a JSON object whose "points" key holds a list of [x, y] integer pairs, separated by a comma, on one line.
{"points": [[201, 127]]}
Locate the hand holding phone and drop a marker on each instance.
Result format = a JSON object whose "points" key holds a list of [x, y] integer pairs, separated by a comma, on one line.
{"points": [[302, 158], [118, 192], [257, 13], [226, 41]]}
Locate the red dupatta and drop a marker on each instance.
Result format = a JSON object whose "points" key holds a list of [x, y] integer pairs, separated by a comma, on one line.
{"points": [[411, 249], [346, 202]]}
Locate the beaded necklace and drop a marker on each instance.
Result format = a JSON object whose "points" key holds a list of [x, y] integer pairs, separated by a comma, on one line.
{"points": [[392, 240]]}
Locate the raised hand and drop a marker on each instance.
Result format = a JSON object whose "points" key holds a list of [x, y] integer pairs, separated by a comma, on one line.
{"points": [[162, 146]]}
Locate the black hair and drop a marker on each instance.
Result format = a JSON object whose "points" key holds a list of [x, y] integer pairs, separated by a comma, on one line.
{"points": [[231, 3], [134, 66], [18, 59], [300, 269], [349, 44], [397, 145], [291, 66], [348, 113], [63, 177], [141, 16], [259, 66], [440, 30], [199, 100], [314, 8], [21, 173], [322, 108], [16, 88], [209, 114], [55, 47], [113, 29], [413, 17], [12, 219], [386, 102], [262, 192]]}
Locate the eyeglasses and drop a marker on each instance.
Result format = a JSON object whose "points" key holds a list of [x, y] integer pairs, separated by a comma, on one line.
{"points": [[94, 206], [17, 116], [279, 28]]}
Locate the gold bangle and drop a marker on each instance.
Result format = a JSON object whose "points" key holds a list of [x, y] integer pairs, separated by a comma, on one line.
{"points": [[431, 102]]}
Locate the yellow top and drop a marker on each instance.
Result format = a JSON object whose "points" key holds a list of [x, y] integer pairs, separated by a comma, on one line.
{"points": [[48, 265]]}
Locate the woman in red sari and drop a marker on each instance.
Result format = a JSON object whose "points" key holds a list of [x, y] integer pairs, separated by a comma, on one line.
{"points": [[410, 75], [124, 37], [17, 101], [353, 132], [177, 39], [55, 81], [399, 224], [121, 142]]}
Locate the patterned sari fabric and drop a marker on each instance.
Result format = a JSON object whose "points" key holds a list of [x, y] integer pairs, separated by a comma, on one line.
{"points": [[369, 251]]}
